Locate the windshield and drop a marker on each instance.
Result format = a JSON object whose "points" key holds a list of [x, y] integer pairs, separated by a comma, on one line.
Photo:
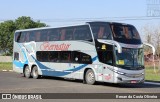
{"points": [[130, 59], [125, 34]]}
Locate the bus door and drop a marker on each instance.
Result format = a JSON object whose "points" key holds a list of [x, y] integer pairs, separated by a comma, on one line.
{"points": [[107, 72], [106, 57]]}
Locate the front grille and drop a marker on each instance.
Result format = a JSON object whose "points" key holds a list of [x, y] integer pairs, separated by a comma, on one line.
{"points": [[134, 75]]}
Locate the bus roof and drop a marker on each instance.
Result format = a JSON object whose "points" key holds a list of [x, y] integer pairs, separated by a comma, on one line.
{"points": [[41, 28], [93, 22]]}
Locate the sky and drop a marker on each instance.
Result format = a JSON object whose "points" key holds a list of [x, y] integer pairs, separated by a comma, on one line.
{"points": [[63, 12]]}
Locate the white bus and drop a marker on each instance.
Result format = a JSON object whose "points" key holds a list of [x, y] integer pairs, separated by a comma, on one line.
{"points": [[94, 51]]}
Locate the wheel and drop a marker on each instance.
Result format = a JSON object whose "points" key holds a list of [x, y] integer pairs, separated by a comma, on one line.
{"points": [[27, 73], [90, 77], [35, 72]]}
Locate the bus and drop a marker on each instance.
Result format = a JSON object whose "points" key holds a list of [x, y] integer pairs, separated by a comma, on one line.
{"points": [[94, 51]]}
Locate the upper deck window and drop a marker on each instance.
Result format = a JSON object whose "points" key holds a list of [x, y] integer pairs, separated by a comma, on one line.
{"points": [[55, 34], [125, 34], [101, 31]]}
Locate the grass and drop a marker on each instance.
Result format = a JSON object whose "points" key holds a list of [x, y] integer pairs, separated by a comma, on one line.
{"points": [[5, 66], [149, 71], [151, 75]]}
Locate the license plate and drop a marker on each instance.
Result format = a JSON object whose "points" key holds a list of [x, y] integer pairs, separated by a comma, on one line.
{"points": [[133, 81]]}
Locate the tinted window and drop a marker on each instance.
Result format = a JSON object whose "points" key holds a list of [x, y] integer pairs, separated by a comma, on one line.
{"points": [[43, 35], [82, 33], [125, 34], [16, 56], [106, 57], [66, 33], [79, 57], [27, 36], [62, 34], [42, 56], [37, 36], [31, 36], [24, 37], [53, 35], [54, 56], [69, 34], [17, 36], [63, 57], [101, 31]]}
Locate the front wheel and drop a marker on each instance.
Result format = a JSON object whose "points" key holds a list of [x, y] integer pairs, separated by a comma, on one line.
{"points": [[27, 73], [90, 77], [35, 72]]}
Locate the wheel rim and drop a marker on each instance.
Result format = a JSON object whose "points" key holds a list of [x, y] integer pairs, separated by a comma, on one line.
{"points": [[27, 72], [35, 72], [90, 77]]}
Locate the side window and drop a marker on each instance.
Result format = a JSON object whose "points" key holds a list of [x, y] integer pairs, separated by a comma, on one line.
{"points": [[42, 56], [79, 57], [32, 36], [82, 33], [53, 35], [53, 56], [37, 36], [16, 56], [21, 37], [43, 35], [65, 56], [86, 58], [69, 34], [27, 36], [101, 32], [76, 57], [62, 34], [17, 37]]}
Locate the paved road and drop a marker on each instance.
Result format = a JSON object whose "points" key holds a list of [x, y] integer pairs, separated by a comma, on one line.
{"points": [[11, 82]]}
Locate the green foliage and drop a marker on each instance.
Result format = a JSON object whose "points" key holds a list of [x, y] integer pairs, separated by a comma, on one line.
{"points": [[7, 29], [26, 22], [151, 75], [5, 66]]}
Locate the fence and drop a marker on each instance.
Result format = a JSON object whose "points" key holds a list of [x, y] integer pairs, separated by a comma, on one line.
{"points": [[5, 59]]}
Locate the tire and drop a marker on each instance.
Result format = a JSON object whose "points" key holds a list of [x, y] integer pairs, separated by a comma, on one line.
{"points": [[27, 73], [35, 72], [90, 77]]}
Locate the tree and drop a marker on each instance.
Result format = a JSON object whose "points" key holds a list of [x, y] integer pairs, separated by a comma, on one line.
{"points": [[26, 22], [148, 38], [152, 36], [7, 29]]}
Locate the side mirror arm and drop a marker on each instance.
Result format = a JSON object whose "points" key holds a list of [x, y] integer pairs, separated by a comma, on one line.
{"points": [[111, 42], [153, 48]]}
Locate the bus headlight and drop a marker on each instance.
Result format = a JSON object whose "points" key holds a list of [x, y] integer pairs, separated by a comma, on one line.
{"points": [[118, 72]]}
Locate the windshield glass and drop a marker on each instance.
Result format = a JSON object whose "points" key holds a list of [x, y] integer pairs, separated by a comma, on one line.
{"points": [[125, 34], [130, 58]]}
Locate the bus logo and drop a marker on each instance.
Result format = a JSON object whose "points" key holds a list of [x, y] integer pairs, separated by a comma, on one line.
{"points": [[46, 46], [6, 96]]}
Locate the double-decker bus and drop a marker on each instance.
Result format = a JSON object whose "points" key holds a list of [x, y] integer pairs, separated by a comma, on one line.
{"points": [[95, 51]]}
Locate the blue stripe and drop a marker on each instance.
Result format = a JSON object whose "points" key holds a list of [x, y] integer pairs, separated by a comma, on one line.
{"points": [[59, 73], [18, 63]]}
